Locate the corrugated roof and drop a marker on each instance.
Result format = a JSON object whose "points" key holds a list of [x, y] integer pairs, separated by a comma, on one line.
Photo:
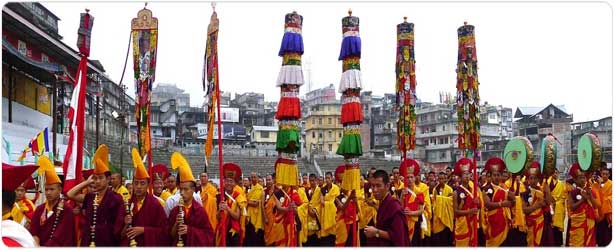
{"points": [[530, 110]]}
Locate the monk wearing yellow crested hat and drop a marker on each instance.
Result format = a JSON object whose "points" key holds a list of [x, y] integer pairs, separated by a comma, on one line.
{"points": [[146, 223], [194, 229], [53, 221], [102, 209]]}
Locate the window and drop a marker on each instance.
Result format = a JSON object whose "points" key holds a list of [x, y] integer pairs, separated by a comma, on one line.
{"points": [[340, 135], [330, 134], [330, 120], [313, 134], [44, 58], [320, 135], [264, 134], [21, 47], [443, 128], [492, 116], [330, 147], [320, 121]]}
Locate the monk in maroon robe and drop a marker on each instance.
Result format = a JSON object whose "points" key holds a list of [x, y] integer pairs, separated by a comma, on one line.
{"points": [[391, 226], [110, 212], [147, 219], [199, 230], [53, 222], [196, 228]]}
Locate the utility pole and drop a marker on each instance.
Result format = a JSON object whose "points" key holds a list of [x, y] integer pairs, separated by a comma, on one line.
{"points": [[54, 115], [97, 119]]}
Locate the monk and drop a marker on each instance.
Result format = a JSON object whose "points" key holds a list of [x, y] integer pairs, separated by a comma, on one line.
{"points": [[208, 195], [328, 211], [147, 219], [390, 218], [604, 225], [495, 201], [424, 231], [53, 221], [273, 231], [23, 209], [287, 200], [368, 207], [536, 207], [465, 206], [14, 234], [310, 219], [413, 201], [443, 213], [116, 185], [397, 184], [171, 187], [254, 227], [581, 204], [233, 209], [107, 218], [559, 194]]}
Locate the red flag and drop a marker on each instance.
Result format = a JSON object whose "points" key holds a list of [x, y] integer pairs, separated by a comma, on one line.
{"points": [[73, 160]]}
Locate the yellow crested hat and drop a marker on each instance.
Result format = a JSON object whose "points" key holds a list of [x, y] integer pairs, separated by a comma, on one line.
{"points": [[101, 159], [46, 167], [140, 172], [185, 172]]}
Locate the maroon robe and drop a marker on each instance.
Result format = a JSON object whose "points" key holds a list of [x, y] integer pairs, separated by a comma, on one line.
{"points": [[153, 219], [390, 218], [63, 235], [109, 219], [200, 232]]}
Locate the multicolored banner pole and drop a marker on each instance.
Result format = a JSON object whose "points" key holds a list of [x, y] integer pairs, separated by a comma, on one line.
{"points": [[351, 110], [144, 48], [406, 88], [468, 102]]}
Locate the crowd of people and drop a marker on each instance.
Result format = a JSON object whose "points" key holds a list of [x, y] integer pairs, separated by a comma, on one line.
{"points": [[399, 208]]}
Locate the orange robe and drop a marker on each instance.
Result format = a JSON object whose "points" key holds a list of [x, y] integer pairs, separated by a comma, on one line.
{"points": [[412, 202]]}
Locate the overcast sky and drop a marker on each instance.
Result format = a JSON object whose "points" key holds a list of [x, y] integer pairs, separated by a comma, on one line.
{"points": [[529, 54]]}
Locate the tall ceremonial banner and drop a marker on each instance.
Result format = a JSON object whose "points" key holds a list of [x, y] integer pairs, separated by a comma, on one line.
{"points": [[211, 81], [144, 48], [289, 80], [73, 160], [211, 85], [468, 100], [351, 109], [406, 87], [467, 96]]}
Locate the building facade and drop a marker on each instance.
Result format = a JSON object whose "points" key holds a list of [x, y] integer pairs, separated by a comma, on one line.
{"points": [[164, 92], [251, 108], [264, 137], [536, 123], [323, 129]]}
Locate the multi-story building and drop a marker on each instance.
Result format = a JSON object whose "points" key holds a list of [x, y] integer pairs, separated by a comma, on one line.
{"points": [[323, 129], [383, 126], [365, 127], [536, 123], [322, 95], [163, 122], [166, 91], [602, 128], [495, 122], [251, 108], [38, 72], [436, 131]]}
